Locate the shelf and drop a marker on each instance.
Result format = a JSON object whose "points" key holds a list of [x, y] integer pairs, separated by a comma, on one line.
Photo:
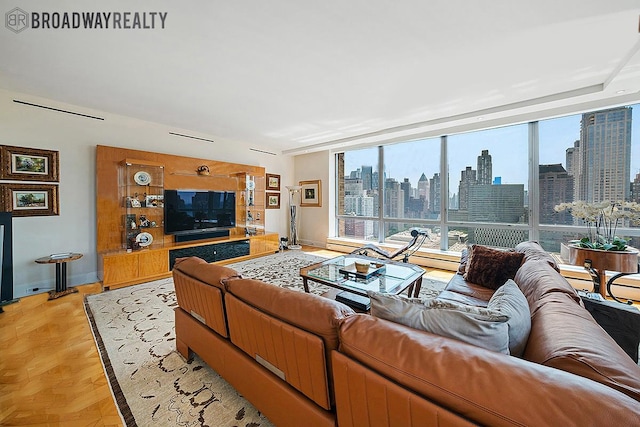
{"points": [[137, 202]]}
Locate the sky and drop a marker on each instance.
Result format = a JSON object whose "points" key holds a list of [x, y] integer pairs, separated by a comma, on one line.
{"points": [[507, 147]]}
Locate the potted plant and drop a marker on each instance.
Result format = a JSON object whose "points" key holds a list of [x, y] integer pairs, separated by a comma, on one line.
{"points": [[602, 220]]}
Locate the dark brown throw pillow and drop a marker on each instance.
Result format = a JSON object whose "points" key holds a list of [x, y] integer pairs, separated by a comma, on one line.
{"points": [[491, 268]]}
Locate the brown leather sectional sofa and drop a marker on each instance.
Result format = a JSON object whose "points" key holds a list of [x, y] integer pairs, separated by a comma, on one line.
{"points": [[306, 360]]}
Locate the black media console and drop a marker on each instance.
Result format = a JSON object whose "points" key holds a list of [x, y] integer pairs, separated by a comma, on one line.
{"points": [[213, 252]]}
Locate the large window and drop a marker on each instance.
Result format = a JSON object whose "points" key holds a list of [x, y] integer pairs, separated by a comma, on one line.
{"points": [[486, 197]]}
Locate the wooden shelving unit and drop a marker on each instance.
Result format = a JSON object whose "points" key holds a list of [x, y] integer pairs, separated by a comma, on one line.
{"points": [[119, 267]]}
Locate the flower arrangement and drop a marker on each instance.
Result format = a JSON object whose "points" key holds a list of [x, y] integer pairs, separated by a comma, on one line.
{"points": [[602, 221]]}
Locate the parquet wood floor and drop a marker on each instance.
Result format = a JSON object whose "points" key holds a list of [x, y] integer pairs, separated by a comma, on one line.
{"points": [[50, 371]]}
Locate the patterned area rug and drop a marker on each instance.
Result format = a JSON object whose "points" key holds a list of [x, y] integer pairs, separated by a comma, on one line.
{"points": [[151, 382]]}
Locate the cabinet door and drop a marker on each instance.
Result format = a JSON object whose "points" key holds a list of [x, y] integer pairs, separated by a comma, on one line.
{"points": [[120, 268], [152, 263]]}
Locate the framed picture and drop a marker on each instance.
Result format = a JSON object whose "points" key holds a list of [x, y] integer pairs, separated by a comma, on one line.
{"points": [[273, 182], [311, 193], [273, 200], [28, 164], [29, 199]]}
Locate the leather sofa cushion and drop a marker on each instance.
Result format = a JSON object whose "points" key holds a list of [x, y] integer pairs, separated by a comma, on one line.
{"points": [[458, 285], [199, 291], [211, 274], [533, 251], [565, 336], [310, 312], [538, 281], [487, 387]]}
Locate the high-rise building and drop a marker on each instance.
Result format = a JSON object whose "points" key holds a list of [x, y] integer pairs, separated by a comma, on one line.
{"points": [[604, 156], [393, 198], [496, 203], [485, 173], [635, 189], [556, 186], [367, 177], [406, 188], [423, 189], [434, 194], [467, 179], [571, 157], [353, 186]]}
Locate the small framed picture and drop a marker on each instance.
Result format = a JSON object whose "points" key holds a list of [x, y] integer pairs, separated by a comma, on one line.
{"points": [[28, 164], [29, 199], [273, 182], [273, 200], [311, 193]]}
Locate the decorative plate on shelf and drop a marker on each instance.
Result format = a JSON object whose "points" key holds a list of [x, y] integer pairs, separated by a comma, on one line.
{"points": [[251, 185], [142, 178], [144, 239]]}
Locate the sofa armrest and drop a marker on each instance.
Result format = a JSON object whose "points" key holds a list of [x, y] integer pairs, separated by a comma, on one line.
{"points": [[487, 387]]}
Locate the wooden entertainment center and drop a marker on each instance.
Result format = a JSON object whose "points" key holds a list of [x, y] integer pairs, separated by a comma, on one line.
{"points": [[132, 246]]}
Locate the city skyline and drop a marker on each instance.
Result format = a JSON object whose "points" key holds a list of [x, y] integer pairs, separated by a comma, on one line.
{"points": [[510, 160]]}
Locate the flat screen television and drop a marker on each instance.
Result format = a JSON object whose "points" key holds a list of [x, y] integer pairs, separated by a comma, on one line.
{"points": [[193, 211]]}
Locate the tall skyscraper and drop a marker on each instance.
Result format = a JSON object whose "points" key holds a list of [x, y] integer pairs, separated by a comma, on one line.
{"points": [[434, 194], [572, 159], [406, 188], [556, 186], [467, 179], [485, 173], [367, 176], [423, 189], [604, 156]]}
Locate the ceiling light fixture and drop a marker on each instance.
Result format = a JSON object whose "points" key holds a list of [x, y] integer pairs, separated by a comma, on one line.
{"points": [[262, 151], [57, 109], [211, 141]]}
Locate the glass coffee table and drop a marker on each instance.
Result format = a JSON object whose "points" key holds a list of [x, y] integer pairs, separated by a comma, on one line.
{"points": [[384, 276]]}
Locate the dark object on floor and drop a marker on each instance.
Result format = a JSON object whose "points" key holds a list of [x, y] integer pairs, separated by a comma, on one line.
{"points": [[621, 321], [355, 301]]}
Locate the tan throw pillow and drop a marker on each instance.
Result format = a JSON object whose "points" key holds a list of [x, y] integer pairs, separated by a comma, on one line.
{"points": [[474, 325], [491, 268]]}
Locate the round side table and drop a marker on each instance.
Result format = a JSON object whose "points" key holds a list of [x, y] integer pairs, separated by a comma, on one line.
{"points": [[60, 260]]}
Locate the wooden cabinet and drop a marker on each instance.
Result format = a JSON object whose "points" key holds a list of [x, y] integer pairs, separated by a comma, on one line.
{"points": [[129, 202], [122, 268], [250, 205], [141, 194]]}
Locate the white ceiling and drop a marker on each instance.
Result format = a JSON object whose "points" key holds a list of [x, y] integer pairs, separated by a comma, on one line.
{"points": [[289, 76]]}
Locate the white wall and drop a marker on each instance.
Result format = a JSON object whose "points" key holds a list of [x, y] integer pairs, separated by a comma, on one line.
{"points": [[313, 222], [75, 138]]}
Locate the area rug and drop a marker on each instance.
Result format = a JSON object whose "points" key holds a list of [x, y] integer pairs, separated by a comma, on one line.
{"points": [[152, 384]]}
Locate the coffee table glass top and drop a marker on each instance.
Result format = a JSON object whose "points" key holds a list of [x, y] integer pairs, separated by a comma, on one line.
{"points": [[393, 279]]}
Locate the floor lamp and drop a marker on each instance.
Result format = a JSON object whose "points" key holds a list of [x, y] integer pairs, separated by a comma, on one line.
{"points": [[293, 216]]}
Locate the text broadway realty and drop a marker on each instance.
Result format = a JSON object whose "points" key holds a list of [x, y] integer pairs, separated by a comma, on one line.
{"points": [[98, 20]]}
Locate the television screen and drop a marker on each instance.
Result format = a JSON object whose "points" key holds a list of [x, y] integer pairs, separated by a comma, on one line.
{"points": [[194, 210]]}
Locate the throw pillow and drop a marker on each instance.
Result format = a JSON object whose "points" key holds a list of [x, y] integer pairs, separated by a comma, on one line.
{"points": [[510, 301], [474, 325], [491, 268]]}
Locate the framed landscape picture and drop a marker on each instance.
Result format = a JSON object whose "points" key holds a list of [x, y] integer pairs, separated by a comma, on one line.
{"points": [[311, 193], [273, 200], [29, 199], [273, 182], [28, 164]]}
